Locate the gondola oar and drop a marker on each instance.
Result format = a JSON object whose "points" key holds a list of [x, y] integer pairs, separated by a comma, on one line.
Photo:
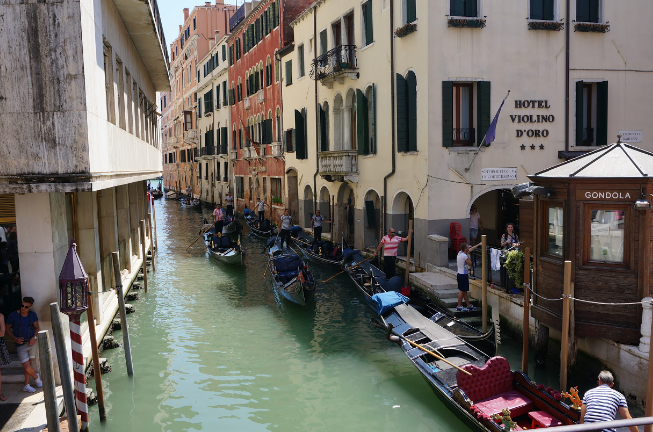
{"points": [[198, 237], [275, 242], [388, 329], [356, 265]]}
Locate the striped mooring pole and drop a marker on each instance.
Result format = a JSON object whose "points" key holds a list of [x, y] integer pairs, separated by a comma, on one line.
{"points": [[78, 371]]}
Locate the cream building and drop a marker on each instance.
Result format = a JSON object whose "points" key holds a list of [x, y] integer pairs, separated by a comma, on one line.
{"points": [[213, 113], [385, 113]]}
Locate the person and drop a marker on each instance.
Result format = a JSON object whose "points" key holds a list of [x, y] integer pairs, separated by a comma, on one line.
{"points": [[218, 219], [286, 223], [4, 353], [463, 276], [189, 190], [316, 224], [602, 403], [230, 204], [509, 239], [22, 326], [390, 243], [260, 207], [475, 224]]}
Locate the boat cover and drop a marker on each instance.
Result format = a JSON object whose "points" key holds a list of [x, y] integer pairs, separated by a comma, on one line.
{"points": [[387, 300], [287, 266], [295, 229], [394, 284]]}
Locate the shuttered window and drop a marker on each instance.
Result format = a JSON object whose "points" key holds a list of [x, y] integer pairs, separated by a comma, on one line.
{"points": [[199, 108], [411, 11], [464, 8], [542, 10], [324, 143], [447, 113], [372, 119], [7, 209], [368, 29], [591, 113], [217, 97], [588, 10], [231, 55], [483, 114], [299, 136], [289, 72], [223, 140], [323, 42], [402, 115], [411, 104], [224, 52], [370, 213], [300, 60], [362, 124]]}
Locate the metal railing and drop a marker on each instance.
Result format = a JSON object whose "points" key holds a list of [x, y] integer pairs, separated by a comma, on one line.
{"points": [[207, 151], [341, 162], [588, 136], [598, 426], [334, 61], [464, 135], [223, 148]]}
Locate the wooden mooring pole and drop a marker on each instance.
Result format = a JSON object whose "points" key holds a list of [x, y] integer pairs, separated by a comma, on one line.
{"points": [[564, 343], [96, 356], [484, 281], [648, 411], [410, 243], [123, 314], [156, 236], [151, 242], [527, 304], [144, 251], [49, 387]]}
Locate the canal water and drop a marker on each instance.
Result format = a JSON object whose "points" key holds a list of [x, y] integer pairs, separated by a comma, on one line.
{"points": [[214, 348]]}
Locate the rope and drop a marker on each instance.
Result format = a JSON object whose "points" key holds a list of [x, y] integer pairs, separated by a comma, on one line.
{"points": [[564, 296]]}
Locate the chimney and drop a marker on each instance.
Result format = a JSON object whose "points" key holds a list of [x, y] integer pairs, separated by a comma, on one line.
{"points": [[217, 35], [207, 4], [186, 13], [219, 2]]}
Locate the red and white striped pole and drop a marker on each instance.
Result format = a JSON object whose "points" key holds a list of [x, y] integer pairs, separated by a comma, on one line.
{"points": [[78, 371]]}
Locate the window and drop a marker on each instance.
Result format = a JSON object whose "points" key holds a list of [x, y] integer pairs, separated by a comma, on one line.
{"points": [[217, 171], [225, 170], [607, 235], [349, 29], [363, 130], [299, 135], [459, 103], [238, 49], [276, 68], [278, 125], [407, 112], [542, 10], [121, 94], [231, 55], [368, 29], [276, 190], [591, 113], [199, 108], [206, 170], [323, 42], [289, 72], [555, 224], [464, 8], [130, 102], [588, 11], [370, 95], [108, 82], [251, 186], [224, 52], [300, 61], [324, 126], [194, 23], [410, 11], [217, 97], [240, 187]]}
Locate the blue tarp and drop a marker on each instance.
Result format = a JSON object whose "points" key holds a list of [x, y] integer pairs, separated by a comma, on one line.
{"points": [[295, 228], [247, 211], [387, 300]]}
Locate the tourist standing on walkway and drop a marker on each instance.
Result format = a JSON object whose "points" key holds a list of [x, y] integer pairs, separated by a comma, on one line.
{"points": [[286, 223], [22, 326], [463, 276], [475, 224], [4, 353], [230, 204], [260, 207], [316, 224], [602, 403], [390, 243], [218, 219], [509, 239]]}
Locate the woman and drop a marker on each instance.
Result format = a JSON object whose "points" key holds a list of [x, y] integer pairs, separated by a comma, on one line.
{"points": [[509, 239], [4, 353]]}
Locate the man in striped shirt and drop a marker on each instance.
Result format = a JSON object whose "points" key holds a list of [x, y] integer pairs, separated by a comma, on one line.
{"points": [[390, 243], [602, 403]]}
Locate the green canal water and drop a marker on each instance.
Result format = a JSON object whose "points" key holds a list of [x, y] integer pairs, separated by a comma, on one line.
{"points": [[214, 348]]}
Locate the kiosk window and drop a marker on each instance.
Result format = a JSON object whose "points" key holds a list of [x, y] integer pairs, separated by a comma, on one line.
{"points": [[555, 222], [607, 236]]}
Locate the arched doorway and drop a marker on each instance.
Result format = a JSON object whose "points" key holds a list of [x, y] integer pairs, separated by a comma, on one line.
{"points": [[350, 121], [324, 204], [402, 212], [346, 207], [307, 213], [497, 207], [293, 194], [372, 214]]}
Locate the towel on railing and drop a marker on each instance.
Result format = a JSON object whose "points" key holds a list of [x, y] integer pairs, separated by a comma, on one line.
{"points": [[495, 263]]}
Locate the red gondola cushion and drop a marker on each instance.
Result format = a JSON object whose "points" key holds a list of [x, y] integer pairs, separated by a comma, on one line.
{"points": [[517, 403]]}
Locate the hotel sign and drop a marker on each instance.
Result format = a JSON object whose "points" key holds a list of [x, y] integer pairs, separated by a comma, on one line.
{"points": [[498, 174], [631, 136]]}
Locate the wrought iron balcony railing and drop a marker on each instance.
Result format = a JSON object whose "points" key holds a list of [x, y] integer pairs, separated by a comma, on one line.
{"points": [[464, 136], [207, 151], [334, 61], [588, 136]]}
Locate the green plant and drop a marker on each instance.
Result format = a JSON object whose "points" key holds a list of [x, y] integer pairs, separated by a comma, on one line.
{"points": [[277, 200], [515, 266]]}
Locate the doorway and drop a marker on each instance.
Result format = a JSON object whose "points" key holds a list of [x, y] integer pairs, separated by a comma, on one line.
{"points": [[293, 194]]}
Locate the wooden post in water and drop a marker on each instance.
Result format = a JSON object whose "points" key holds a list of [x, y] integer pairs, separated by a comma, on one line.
{"points": [[96, 356], [484, 281], [144, 251], [564, 343], [410, 243], [49, 387], [152, 243], [64, 367], [648, 411], [123, 314], [527, 304], [156, 237]]}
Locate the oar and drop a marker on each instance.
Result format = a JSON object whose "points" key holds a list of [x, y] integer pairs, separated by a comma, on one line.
{"points": [[380, 325], [198, 237], [338, 274], [300, 240]]}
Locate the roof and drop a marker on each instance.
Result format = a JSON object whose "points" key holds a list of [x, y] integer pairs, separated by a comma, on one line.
{"points": [[617, 160]]}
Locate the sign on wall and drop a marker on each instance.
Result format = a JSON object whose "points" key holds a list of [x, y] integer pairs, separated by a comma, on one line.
{"points": [[498, 174], [631, 136]]}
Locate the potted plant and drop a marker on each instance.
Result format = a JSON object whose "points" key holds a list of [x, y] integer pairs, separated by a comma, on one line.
{"points": [[515, 267]]}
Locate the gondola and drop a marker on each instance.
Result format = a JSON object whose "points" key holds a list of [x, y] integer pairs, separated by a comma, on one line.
{"points": [[231, 225], [290, 276], [190, 203], [172, 195], [491, 387], [264, 229], [370, 280], [156, 193], [224, 249], [324, 252]]}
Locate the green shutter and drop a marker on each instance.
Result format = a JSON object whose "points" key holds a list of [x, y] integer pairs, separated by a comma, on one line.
{"points": [[217, 142], [594, 11], [457, 7], [323, 129], [579, 113], [402, 115], [224, 133], [536, 9], [224, 52], [411, 105], [298, 136], [267, 131], [483, 109], [447, 113], [602, 113], [224, 93], [369, 29], [289, 72], [471, 8], [583, 10], [278, 12], [370, 212], [199, 108], [373, 141], [362, 124], [411, 11], [323, 42], [548, 10]]}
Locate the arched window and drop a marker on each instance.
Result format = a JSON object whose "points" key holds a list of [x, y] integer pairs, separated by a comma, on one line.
{"points": [[407, 96], [337, 123], [324, 126]]}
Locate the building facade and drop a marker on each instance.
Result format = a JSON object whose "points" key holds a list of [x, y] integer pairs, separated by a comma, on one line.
{"points": [[386, 104], [180, 125], [215, 169], [259, 31], [86, 141]]}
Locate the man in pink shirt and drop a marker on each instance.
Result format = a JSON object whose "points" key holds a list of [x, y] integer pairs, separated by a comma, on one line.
{"points": [[390, 243], [218, 219]]}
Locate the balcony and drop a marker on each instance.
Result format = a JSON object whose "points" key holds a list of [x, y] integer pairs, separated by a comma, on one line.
{"points": [[464, 136], [335, 65], [276, 149], [191, 136], [207, 151], [339, 165], [247, 104], [261, 96]]}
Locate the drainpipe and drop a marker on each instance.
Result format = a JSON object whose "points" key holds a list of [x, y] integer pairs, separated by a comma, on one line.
{"points": [[392, 114], [567, 36], [317, 115]]}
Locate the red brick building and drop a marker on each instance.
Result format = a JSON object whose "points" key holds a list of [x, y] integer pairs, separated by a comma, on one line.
{"points": [[258, 33]]}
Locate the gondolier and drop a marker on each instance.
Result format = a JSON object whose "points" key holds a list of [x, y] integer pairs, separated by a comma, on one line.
{"points": [[286, 223], [260, 207], [230, 204], [390, 243], [316, 224], [218, 218], [463, 261]]}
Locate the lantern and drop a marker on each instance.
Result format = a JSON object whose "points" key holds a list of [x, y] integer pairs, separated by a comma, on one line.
{"points": [[73, 284]]}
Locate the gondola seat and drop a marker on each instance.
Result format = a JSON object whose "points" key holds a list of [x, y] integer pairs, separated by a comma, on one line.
{"points": [[287, 267], [490, 388]]}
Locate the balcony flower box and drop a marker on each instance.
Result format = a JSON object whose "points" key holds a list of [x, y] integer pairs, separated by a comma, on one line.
{"points": [[466, 22], [406, 30], [587, 27], [546, 25]]}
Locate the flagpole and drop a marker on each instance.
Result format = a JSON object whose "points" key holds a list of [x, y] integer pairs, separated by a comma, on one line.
{"points": [[483, 141]]}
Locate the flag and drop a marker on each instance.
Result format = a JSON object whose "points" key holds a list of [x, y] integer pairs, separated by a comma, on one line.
{"points": [[491, 133]]}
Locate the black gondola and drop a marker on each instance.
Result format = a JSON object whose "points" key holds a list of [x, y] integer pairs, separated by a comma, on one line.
{"points": [[224, 249], [290, 275], [491, 387], [324, 252], [263, 229]]}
